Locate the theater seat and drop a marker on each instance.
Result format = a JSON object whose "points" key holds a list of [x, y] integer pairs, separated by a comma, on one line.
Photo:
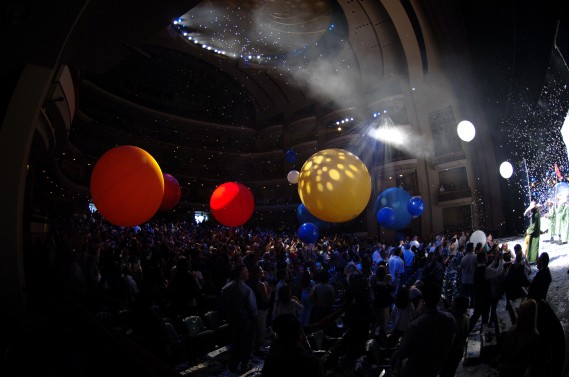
{"points": [[200, 339], [214, 321], [196, 328]]}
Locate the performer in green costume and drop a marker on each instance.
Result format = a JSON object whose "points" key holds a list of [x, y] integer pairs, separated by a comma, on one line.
{"points": [[563, 230], [534, 232], [559, 213]]}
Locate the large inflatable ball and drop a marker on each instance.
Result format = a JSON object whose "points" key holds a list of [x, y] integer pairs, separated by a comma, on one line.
{"points": [[290, 156], [232, 204], [292, 177], [334, 185], [172, 193], [308, 233], [478, 236], [415, 206], [386, 217], [395, 198], [127, 186]]}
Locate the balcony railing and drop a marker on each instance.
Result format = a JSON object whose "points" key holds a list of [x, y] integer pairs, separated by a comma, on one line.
{"points": [[461, 193]]}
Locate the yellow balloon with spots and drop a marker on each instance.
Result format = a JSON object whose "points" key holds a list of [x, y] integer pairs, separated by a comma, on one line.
{"points": [[334, 185]]}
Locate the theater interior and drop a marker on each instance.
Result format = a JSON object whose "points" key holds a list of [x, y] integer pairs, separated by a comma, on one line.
{"points": [[220, 91]]}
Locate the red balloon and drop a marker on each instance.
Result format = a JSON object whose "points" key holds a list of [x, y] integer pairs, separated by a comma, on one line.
{"points": [[172, 193], [232, 204], [127, 186]]}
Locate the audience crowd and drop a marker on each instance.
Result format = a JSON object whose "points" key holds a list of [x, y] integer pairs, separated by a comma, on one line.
{"points": [[409, 295]]}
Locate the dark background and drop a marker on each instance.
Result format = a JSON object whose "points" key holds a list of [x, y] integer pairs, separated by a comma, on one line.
{"points": [[522, 79]]}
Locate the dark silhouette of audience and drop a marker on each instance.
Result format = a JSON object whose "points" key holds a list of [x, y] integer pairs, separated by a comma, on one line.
{"points": [[184, 269], [459, 308], [522, 350], [542, 279], [428, 340], [239, 305], [290, 354]]}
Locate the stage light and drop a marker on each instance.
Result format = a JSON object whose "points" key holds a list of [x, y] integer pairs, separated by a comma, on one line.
{"points": [[506, 169], [466, 131]]}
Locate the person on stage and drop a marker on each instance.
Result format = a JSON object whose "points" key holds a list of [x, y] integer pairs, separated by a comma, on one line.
{"points": [[533, 231], [552, 220], [563, 215]]}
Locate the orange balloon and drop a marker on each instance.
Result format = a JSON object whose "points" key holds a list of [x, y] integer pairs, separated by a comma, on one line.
{"points": [[127, 186]]}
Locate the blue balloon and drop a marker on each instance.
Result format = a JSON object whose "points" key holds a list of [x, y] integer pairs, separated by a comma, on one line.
{"points": [[415, 206], [386, 217], [304, 216], [290, 156], [395, 198], [308, 233]]}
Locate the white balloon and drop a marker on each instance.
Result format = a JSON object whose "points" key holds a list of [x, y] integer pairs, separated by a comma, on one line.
{"points": [[506, 169], [466, 131], [478, 236], [292, 176]]}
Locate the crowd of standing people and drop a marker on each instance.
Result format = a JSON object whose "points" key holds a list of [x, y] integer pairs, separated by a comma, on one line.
{"points": [[267, 282]]}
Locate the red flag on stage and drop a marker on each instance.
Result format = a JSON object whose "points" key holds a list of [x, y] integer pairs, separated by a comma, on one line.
{"points": [[557, 172]]}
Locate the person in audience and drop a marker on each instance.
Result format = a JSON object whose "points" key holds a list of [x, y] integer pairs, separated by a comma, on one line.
{"points": [[462, 239], [552, 334], [517, 277], [260, 289], [416, 297], [282, 279], [287, 304], [306, 286], [428, 340], [434, 269], [466, 271], [357, 319], [396, 268], [482, 286], [184, 289], [497, 288], [415, 242], [240, 308], [403, 313], [149, 328], [322, 297], [409, 260], [131, 288], [520, 353], [290, 354], [459, 308], [382, 297], [542, 279]]}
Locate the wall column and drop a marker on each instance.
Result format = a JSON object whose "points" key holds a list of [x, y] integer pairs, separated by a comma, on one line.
{"points": [[16, 135]]}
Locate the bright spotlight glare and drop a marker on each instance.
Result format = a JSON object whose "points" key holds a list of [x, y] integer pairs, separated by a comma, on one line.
{"points": [[506, 169], [388, 135], [466, 131]]}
